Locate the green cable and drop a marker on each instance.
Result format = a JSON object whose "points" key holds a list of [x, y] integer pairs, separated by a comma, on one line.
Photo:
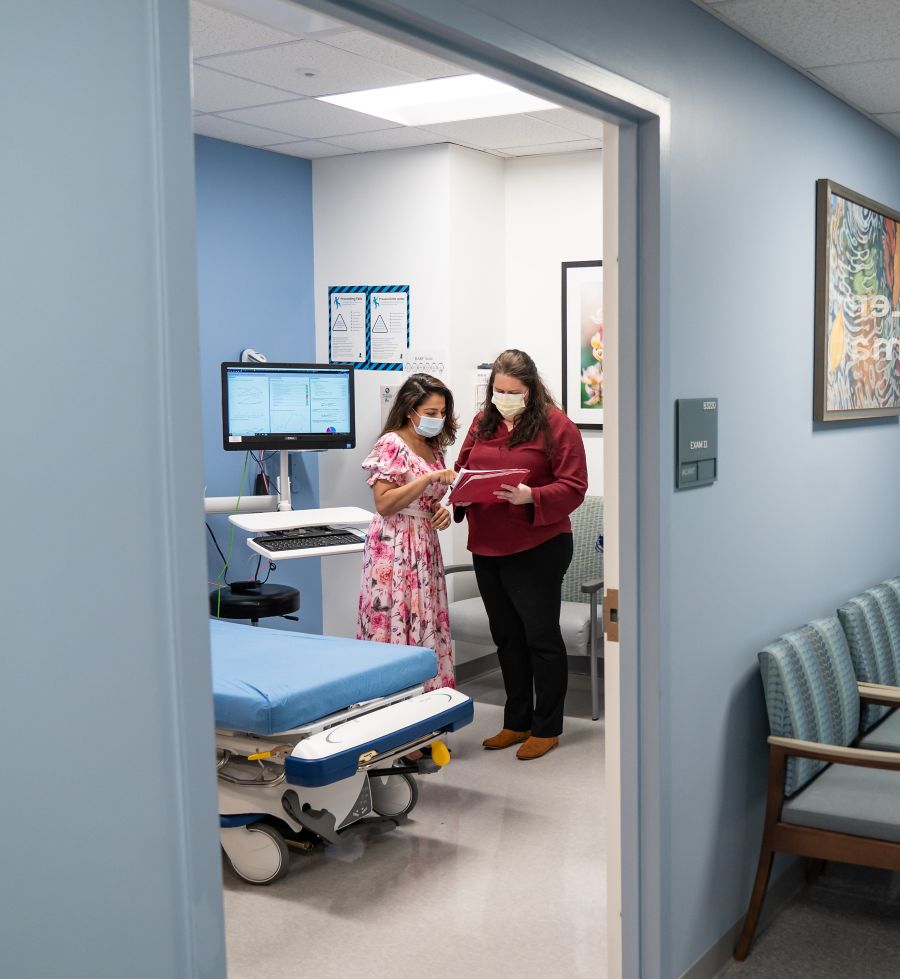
{"points": [[237, 507]]}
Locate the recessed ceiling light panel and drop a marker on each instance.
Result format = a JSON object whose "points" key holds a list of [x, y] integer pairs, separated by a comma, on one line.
{"points": [[441, 100]]}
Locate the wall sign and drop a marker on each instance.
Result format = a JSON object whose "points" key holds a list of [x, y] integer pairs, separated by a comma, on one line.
{"points": [[697, 442], [369, 326], [347, 324]]}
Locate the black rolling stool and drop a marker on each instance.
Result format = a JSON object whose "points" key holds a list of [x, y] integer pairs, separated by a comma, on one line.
{"points": [[254, 601]]}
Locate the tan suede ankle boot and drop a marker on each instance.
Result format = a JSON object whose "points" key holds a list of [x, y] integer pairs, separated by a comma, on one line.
{"points": [[535, 747], [506, 739]]}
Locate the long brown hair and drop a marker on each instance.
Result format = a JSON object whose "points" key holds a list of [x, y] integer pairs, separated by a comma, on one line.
{"points": [[416, 389], [534, 419]]}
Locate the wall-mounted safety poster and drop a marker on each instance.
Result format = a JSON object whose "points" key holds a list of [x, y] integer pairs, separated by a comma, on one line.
{"points": [[388, 324], [368, 326], [347, 324]]}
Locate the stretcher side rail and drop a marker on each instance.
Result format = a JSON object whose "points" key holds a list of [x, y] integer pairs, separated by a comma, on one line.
{"points": [[331, 756], [353, 710]]}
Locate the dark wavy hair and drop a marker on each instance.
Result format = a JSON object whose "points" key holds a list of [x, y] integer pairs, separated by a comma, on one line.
{"points": [[416, 389], [534, 420]]}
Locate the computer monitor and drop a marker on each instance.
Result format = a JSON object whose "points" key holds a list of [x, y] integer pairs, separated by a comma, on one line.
{"points": [[287, 406]]}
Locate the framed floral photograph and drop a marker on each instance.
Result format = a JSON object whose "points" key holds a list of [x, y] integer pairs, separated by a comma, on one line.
{"points": [[582, 343]]}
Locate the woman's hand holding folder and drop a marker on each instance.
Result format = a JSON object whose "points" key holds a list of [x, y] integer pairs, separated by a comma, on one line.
{"points": [[486, 485]]}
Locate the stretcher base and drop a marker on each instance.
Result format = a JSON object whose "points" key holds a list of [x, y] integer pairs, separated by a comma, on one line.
{"points": [[264, 804]]}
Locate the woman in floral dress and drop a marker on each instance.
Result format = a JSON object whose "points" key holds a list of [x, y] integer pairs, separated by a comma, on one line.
{"points": [[403, 598]]}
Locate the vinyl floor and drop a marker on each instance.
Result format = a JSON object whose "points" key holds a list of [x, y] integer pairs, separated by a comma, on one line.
{"points": [[499, 871]]}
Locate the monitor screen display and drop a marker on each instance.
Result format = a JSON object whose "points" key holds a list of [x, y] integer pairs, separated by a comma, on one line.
{"points": [[287, 406]]}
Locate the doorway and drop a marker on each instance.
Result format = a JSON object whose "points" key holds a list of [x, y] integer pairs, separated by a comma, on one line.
{"points": [[631, 231]]}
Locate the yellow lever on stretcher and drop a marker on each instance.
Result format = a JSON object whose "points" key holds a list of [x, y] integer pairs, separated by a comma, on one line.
{"points": [[279, 751], [440, 753]]}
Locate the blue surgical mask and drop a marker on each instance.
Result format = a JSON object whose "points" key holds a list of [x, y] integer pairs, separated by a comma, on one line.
{"points": [[429, 427], [509, 405]]}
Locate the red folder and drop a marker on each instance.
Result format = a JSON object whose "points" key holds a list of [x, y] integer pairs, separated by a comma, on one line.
{"points": [[480, 485]]}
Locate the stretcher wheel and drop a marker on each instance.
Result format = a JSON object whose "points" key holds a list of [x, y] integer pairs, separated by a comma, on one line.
{"points": [[259, 854], [393, 795]]}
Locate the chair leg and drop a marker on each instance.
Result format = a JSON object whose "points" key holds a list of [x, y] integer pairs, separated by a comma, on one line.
{"points": [[766, 858], [814, 870], [595, 683]]}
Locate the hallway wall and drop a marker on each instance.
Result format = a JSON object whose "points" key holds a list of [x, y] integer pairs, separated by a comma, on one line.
{"points": [[801, 515], [110, 856]]}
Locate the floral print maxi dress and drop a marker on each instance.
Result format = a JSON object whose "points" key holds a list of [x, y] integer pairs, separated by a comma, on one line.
{"points": [[403, 598]]}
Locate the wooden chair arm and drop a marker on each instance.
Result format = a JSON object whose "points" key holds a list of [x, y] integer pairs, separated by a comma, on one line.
{"points": [[879, 693], [591, 586], [453, 568], [837, 754]]}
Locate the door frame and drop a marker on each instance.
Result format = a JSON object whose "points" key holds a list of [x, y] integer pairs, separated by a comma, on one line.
{"points": [[454, 30]]}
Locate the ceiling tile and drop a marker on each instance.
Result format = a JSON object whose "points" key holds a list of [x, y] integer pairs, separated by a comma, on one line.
{"points": [[498, 132], [573, 146], [394, 55], [388, 139], [873, 86], [310, 149], [288, 16], [216, 32], [332, 71], [215, 92], [310, 119], [236, 132], [577, 122], [819, 32]]}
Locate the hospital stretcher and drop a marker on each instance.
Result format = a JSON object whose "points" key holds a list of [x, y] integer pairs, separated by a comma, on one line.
{"points": [[309, 733]]}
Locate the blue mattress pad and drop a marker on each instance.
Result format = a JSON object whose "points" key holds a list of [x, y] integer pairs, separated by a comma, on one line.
{"points": [[268, 680]]}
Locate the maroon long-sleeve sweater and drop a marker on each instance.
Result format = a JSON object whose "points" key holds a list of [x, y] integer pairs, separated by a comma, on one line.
{"points": [[558, 484]]}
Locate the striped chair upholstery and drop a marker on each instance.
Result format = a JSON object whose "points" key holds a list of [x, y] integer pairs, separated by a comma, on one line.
{"points": [[871, 622], [587, 561], [811, 692]]}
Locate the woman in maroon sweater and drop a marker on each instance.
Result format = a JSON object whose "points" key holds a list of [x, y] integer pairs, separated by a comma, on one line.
{"points": [[522, 545]]}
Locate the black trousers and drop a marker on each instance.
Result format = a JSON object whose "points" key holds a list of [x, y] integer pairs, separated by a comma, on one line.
{"points": [[521, 593]]}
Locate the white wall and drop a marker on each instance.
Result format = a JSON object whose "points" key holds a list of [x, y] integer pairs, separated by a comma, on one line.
{"points": [[477, 299], [406, 217], [554, 214], [479, 240]]}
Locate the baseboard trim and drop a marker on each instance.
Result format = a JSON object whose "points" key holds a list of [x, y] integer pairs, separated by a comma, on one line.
{"points": [[474, 668], [719, 954]]}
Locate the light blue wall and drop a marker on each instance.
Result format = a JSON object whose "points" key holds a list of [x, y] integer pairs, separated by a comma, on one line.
{"points": [[110, 855], [255, 289], [800, 518]]}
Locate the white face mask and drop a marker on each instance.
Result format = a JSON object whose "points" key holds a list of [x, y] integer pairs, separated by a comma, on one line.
{"points": [[429, 427], [509, 405]]}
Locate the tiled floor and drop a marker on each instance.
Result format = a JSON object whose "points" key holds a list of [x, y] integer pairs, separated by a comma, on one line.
{"points": [[498, 872]]}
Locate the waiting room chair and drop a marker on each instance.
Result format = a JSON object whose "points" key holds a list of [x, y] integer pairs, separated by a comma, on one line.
{"points": [[827, 799], [582, 593], [871, 623]]}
